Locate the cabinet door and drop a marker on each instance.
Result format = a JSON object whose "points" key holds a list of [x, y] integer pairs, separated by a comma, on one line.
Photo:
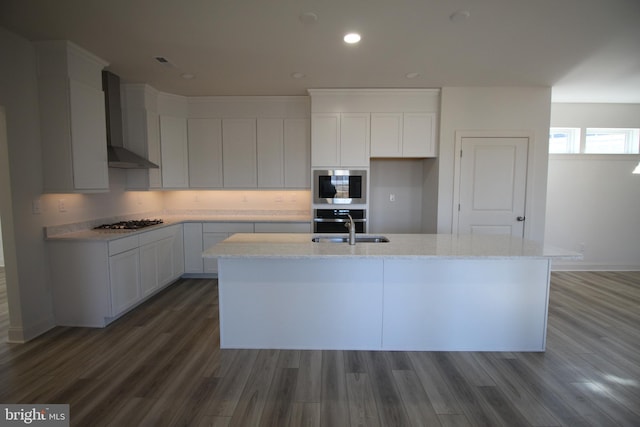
{"points": [[419, 135], [239, 148], [178, 251], [386, 135], [270, 150], [297, 153], [166, 261], [124, 273], [148, 269], [354, 139], [205, 153], [88, 137], [208, 240], [325, 139], [173, 142], [154, 153], [193, 248]]}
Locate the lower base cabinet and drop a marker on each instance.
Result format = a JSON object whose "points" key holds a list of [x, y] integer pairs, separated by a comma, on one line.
{"points": [[200, 236], [94, 283]]}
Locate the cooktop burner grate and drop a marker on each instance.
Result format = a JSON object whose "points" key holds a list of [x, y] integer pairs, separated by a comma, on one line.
{"points": [[134, 224]]}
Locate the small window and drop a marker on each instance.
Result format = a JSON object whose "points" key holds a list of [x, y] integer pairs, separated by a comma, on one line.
{"points": [[564, 140], [612, 141]]}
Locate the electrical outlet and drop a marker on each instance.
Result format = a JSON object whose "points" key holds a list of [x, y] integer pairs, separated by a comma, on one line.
{"points": [[36, 207], [392, 197], [582, 247], [62, 207]]}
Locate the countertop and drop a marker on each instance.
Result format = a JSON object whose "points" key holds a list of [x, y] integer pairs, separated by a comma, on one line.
{"points": [[84, 231], [409, 246]]}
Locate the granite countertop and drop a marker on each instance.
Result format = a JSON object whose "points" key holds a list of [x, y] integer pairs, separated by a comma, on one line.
{"points": [[408, 246], [84, 231]]}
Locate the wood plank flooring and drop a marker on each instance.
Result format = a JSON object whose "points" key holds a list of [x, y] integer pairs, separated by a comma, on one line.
{"points": [[161, 366]]}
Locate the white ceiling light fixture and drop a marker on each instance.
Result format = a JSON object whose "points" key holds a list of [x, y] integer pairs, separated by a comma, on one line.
{"points": [[352, 38], [298, 75], [459, 16], [412, 75], [308, 18], [187, 76]]}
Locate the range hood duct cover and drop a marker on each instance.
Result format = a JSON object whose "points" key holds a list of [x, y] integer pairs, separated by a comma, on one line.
{"points": [[117, 155]]}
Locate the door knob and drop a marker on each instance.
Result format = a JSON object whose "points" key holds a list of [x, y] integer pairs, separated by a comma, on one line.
{"points": [[520, 218]]}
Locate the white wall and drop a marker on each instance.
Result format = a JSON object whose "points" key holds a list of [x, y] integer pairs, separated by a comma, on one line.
{"points": [[403, 178], [30, 309], [593, 201], [496, 109]]}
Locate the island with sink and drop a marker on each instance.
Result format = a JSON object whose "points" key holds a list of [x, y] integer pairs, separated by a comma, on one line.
{"points": [[410, 292]]}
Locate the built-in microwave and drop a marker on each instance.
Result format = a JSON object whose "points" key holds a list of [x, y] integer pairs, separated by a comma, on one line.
{"points": [[340, 186]]}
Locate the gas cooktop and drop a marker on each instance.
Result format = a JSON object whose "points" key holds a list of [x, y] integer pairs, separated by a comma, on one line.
{"points": [[134, 224]]}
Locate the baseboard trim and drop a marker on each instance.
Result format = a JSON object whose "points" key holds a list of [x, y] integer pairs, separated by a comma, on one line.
{"points": [[20, 335]]}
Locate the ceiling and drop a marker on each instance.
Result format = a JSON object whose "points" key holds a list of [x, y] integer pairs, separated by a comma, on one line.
{"points": [[586, 50]]}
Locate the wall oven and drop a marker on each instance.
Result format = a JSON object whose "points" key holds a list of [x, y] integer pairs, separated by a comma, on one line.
{"points": [[334, 220], [339, 186]]}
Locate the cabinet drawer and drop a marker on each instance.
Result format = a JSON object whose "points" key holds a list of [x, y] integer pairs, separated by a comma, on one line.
{"points": [[227, 227], [159, 234], [124, 244]]}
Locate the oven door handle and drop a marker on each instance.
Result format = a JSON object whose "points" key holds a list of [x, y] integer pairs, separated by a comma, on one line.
{"points": [[338, 220]]}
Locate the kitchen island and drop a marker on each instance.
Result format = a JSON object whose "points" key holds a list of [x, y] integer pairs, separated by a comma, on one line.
{"points": [[414, 293]]}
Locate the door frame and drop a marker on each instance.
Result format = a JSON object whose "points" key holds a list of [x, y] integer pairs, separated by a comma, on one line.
{"points": [[459, 135]]}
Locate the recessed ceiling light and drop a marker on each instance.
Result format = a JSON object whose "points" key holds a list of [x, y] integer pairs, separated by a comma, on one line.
{"points": [[351, 38], [298, 75], [412, 75], [308, 18], [459, 16], [187, 76]]}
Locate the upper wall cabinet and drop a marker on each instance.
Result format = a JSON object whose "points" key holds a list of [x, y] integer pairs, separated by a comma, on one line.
{"points": [[348, 124], [297, 153], [239, 161], [205, 153], [142, 134], [175, 155], [174, 150], [72, 117], [403, 135], [340, 139]]}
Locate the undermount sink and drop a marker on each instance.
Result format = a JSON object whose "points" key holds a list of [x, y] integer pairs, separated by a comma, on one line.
{"points": [[345, 239]]}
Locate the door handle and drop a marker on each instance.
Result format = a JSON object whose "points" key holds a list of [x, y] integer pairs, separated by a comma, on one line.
{"points": [[520, 218]]}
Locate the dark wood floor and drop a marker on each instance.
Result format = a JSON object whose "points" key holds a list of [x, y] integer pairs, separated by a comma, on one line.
{"points": [[161, 366]]}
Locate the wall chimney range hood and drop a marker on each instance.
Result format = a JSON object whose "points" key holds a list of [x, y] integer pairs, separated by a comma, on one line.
{"points": [[118, 156]]}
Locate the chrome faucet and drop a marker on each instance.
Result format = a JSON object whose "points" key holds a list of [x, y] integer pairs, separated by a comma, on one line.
{"points": [[352, 230]]}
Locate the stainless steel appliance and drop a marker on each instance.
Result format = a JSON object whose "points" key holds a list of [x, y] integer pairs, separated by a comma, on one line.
{"points": [[130, 225], [340, 186], [334, 220]]}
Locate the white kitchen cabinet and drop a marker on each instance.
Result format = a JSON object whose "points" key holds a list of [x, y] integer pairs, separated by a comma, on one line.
{"points": [[94, 282], [175, 157], [124, 277], [270, 153], [239, 161], [418, 135], [161, 257], [402, 135], [193, 247], [297, 153], [72, 118], [205, 153], [141, 123], [216, 232], [340, 139]]}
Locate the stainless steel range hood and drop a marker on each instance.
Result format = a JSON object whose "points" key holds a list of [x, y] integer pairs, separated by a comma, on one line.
{"points": [[118, 156]]}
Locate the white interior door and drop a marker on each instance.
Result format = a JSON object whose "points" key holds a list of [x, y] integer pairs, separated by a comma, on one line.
{"points": [[492, 185]]}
